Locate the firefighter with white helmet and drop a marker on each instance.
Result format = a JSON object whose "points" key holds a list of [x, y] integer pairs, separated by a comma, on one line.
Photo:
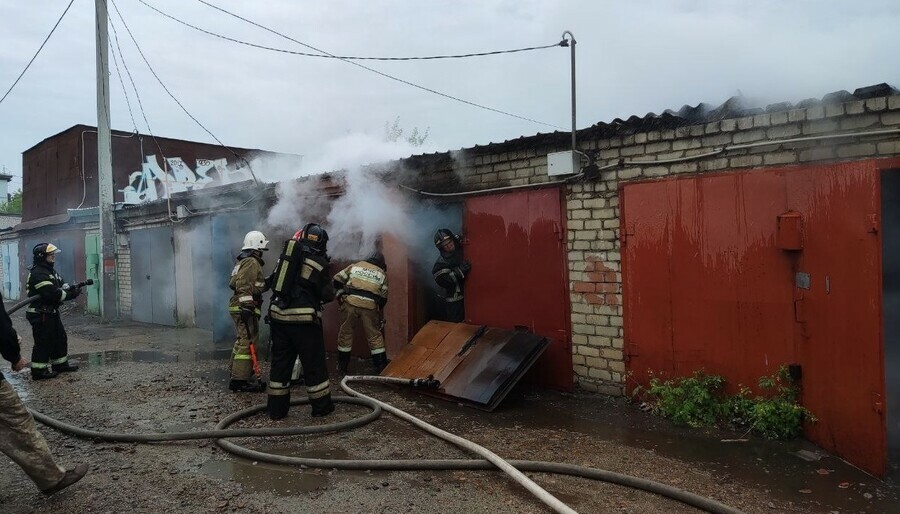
{"points": [[248, 283], [49, 356]]}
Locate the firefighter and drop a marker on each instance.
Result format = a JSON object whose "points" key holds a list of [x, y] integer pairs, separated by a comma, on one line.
{"points": [[361, 290], [19, 436], [248, 284], [301, 285], [49, 356], [450, 271]]}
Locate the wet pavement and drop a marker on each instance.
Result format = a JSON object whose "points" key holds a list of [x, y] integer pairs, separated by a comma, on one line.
{"points": [[172, 383]]}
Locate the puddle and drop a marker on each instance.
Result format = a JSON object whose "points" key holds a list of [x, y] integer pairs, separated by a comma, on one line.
{"points": [[281, 480], [770, 465]]}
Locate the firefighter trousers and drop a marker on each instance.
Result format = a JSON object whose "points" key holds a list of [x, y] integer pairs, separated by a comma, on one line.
{"points": [[455, 311], [51, 344], [371, 323], [247, 328], [290, 340], [22, 443]]}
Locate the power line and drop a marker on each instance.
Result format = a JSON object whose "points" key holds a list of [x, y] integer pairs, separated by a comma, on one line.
{"points": [[183, 108], [402, 81], [349, 57], [134, 86], [63, 15]]}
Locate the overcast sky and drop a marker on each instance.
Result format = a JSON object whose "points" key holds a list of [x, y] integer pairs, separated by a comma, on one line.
{"points": [[632, 58]]}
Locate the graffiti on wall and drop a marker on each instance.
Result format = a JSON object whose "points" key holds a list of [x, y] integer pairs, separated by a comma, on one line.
{"points": [[154, 183]]}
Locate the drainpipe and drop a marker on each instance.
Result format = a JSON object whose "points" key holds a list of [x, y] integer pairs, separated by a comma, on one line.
{"points": [[570, 42]]}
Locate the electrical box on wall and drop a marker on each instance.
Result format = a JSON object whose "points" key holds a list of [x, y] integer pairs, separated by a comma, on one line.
{"points": [[560, 163]]}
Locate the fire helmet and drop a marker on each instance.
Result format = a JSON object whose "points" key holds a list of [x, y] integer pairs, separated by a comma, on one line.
{"points": [[256, 240], [377, 258], [314, 238], [42, 250], [442, 236]]}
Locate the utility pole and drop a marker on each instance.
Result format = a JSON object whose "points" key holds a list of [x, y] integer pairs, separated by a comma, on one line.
{"points": [[108, 295], [576, 157]]}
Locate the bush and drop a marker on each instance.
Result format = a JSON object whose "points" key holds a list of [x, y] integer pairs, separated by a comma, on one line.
{"points": [[692, 401], [699, 401]]}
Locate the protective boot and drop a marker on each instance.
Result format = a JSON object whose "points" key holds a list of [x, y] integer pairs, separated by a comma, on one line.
{"points": [[65, 367], [247, 386], [71, 476], [322, 406], [343, 362], [42, 373], [277, 406], [379, 362]]}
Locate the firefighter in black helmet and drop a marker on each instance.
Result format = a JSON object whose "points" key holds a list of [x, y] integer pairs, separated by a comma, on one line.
{"points": [[301, 285], [450, 271], [51, 345]]}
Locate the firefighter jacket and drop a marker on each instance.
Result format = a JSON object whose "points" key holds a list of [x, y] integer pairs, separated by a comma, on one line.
{"points": [[9, 339], [247, 282], [449, 275], [47, 283], [311, 289], [362, 285]]}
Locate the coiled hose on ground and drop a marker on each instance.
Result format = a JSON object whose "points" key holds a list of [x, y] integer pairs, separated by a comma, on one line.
{"points": [[221, 433], [489, 461]]}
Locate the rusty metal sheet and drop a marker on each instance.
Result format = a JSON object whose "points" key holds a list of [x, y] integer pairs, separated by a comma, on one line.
{"points": [[476, 365]]}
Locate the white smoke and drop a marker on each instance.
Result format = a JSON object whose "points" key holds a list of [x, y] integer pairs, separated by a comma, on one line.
{"points": [[368, 207]]}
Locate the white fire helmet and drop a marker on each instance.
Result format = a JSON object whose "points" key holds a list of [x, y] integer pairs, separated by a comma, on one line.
{"points": [[255, 240]]}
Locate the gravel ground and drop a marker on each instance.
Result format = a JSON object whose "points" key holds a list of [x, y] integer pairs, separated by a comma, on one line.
{"points": [[141, 378]]}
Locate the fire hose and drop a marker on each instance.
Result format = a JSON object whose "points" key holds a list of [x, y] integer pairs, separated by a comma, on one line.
{"points": [[488, 460], [221, 433]]}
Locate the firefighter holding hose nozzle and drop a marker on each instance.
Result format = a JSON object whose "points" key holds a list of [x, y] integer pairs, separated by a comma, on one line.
{"points": [[301, 285], [50, 355]]}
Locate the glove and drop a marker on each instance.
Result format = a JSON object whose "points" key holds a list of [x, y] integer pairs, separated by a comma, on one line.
{"points": [[466, 267], [73, 293], [247, 311]]}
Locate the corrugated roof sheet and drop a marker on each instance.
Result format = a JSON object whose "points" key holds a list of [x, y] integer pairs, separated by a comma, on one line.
{"points": [[734, 107]]}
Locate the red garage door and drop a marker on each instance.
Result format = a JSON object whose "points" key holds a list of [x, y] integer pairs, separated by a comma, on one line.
{"points": [[706, 287], [516, 243]]}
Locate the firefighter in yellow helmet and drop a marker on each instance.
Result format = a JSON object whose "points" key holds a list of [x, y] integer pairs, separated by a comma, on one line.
{"points": [[301, 285], [362, 290], [248, 284], [50, 354]]}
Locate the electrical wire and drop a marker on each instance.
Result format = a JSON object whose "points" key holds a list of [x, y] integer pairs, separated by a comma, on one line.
{"points": [[171, 95], [349, 57], [144, 115], [63, 15], [385, 75]]}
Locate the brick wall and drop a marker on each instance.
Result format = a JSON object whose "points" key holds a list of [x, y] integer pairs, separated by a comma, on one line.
{"points": [[123, 270], [594, 258]]}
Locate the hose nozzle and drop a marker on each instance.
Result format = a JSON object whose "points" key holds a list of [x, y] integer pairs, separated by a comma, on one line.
{"points": [[428, 383]]}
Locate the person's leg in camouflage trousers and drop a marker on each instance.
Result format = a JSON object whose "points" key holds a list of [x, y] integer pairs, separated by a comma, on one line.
{"points": [[21, 441]]}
